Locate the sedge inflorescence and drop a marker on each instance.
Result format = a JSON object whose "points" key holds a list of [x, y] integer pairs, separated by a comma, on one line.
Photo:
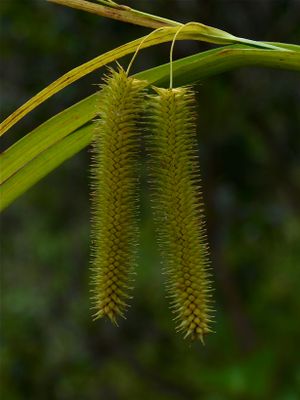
{"points": [[178, 208], [176, 197], [114, 193]]}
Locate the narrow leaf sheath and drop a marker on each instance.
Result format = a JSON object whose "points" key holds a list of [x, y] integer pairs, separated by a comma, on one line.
{"points": [[178, 208], [114, 197]]}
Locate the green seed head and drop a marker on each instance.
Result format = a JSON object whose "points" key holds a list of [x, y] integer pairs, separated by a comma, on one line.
{"points": [[114, 176], [178, 208]]}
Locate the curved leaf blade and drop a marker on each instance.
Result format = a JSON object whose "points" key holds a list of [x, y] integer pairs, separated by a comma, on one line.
{"points": [[43, 164], [45, 135]]}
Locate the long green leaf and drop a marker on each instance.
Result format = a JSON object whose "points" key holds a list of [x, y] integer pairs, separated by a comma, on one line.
{"points": [[212, 62], [44, 163], [45, 135]]}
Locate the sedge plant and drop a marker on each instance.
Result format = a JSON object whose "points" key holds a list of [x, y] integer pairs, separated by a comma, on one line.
{"points": [[115, 136]]}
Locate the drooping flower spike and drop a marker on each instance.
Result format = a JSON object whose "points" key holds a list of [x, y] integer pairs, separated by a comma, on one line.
{"points": [[114, 199], [178, 208]]}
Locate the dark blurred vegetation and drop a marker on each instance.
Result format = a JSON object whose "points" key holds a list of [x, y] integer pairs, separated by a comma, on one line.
{"points": [[249, 147]]}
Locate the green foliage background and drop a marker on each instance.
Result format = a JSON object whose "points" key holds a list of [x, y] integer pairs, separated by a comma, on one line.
{"points": [[249, 147]]}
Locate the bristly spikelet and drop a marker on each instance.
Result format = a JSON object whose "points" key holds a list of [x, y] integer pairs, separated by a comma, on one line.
{"points": [[114, 173], [178, 208]]}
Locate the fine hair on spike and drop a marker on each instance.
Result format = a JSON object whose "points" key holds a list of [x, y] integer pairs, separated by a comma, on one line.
{"points": [[114, 233], [178, 208]]}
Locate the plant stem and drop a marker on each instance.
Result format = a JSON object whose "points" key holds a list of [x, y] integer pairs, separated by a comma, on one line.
{"points": [[119, 12]]}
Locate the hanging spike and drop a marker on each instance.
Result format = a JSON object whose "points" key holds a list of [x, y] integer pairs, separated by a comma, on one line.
{"points": [[179, 209], [114, 193]]}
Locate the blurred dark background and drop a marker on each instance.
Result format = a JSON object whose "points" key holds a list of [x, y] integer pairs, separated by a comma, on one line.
{"points": [[249, 147]]}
